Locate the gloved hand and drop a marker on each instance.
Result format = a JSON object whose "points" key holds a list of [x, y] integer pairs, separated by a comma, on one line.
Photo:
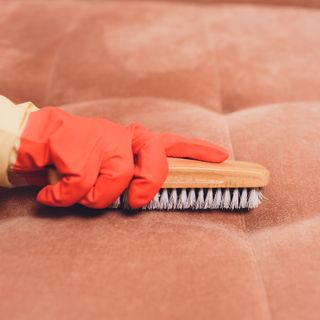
{"points": [[99, 159]]}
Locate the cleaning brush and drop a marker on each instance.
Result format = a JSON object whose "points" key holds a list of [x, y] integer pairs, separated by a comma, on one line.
{"points": [[198, 185]]}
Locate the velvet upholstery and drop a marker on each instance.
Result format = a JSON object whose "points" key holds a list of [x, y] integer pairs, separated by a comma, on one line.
{"points": [[246, 76]]}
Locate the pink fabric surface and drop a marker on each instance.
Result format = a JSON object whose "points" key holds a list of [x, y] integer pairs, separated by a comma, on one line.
{"points": [[215, 55], [243, 76]]}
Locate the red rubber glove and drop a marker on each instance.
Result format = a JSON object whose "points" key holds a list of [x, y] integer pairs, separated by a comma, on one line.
{"points": [[99, 159]]}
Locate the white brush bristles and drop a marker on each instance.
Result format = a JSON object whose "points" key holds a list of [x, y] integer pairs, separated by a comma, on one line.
{"points": [[192, 199], [173, 199], [199, 199], [226, 199], [208, 200], [235, 199], [217, 200], [182, 199], [244, 199], [116, 204], [255, 198]]}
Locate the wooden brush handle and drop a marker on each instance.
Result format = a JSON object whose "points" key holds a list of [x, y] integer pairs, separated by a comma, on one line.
{"points": [[187, 173]]}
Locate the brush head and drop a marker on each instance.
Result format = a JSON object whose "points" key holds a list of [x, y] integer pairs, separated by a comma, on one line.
{"points": [[199, 199]]}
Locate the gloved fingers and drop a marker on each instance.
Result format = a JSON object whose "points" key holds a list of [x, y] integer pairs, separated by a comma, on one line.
{"points": [[151, 170], [114, 178], [76, 180], [77, 163], [180, 147], [68, 191]]}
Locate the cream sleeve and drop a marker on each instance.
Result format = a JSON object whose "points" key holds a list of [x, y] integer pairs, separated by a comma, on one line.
{"points": [[13, 119]]}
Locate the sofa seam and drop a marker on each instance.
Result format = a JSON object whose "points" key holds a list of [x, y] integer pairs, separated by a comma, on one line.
{"points": [[212, 45], [228, 132], [259, 274], [219, 81], [246, 236]]}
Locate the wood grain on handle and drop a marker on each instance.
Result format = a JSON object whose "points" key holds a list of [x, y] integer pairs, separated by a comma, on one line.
{"points": [[187, 173]]}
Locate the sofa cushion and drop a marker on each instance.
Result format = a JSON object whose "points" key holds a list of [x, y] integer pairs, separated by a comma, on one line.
{"points": [[112, 264], [224, 57]]}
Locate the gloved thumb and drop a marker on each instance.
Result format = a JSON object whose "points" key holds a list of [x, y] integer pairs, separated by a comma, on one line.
{"points": [[180, 147]]}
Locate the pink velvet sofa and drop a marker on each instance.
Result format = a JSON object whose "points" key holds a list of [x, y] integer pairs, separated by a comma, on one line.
{"points": [[243, 75]]}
